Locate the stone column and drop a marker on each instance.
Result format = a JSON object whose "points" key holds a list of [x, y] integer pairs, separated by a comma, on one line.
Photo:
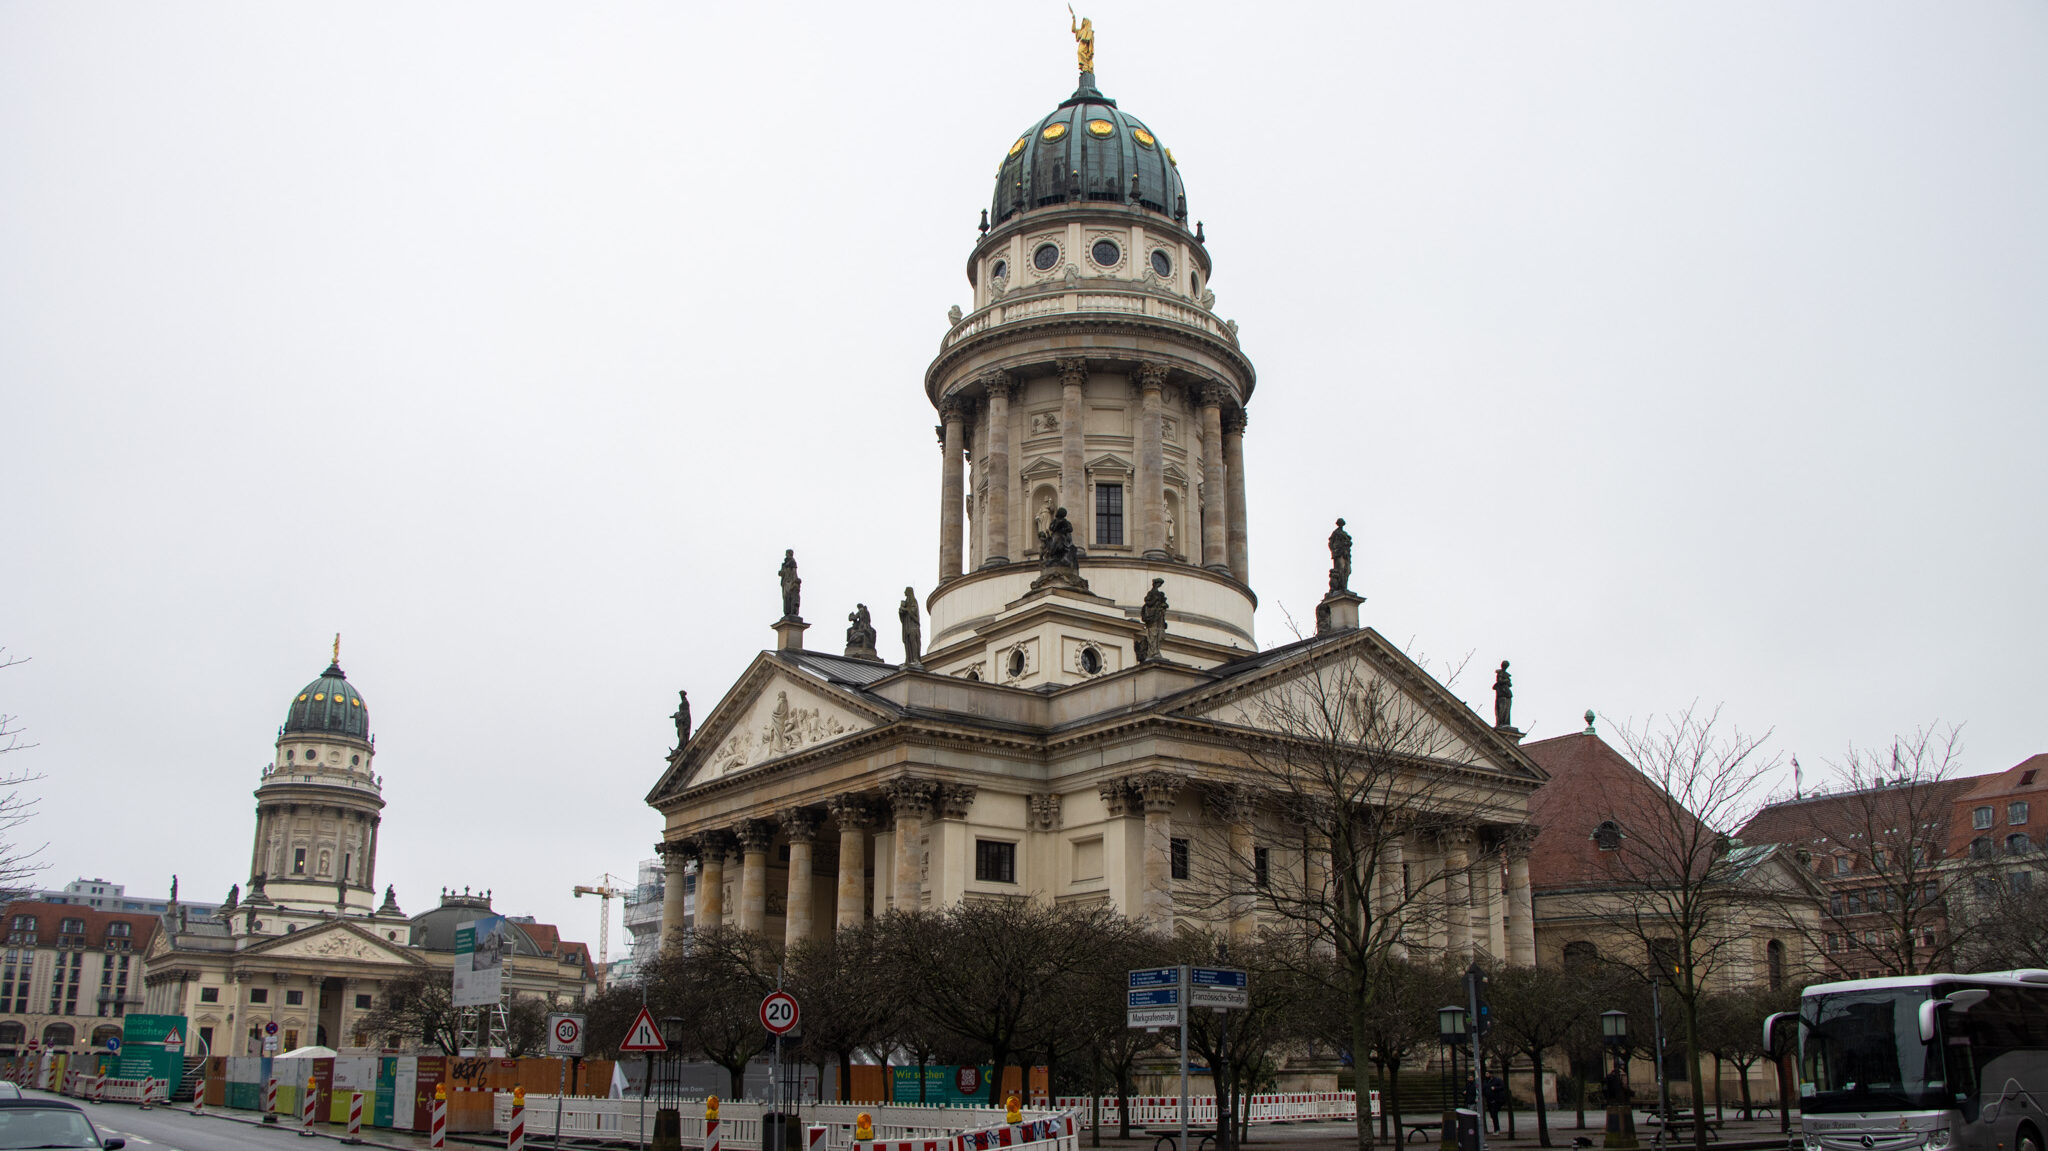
{"points": [[911, 799], [851, 812], [675, 891], [1215, 554], [711, 879], [1073, 426], [754, 835], [1392, 888], [1152, 461], [800, 827], [1157, 789], [1457, 895], [999, 388], [1521, 910], [1234, 533], [1234, 807], [952, 486]]}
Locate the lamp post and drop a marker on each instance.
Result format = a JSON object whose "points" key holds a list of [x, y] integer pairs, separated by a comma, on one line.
{"points": [[1621, 1116], [1450, 1028]]}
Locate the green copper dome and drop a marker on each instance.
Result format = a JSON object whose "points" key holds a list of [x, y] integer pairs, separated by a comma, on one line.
{"points": [[329, 705], [1088, 150]]}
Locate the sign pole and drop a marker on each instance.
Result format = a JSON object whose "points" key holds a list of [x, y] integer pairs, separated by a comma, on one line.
{"points": [[561, 1088], [1183, 1058]]}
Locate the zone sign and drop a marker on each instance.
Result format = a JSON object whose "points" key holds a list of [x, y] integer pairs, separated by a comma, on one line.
{"points": [[779, 1012], [565, 1034]]}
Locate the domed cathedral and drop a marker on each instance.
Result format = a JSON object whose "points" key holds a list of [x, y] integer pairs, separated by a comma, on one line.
{"points": [[1091, 378], [319, 805], [1090, 721]]}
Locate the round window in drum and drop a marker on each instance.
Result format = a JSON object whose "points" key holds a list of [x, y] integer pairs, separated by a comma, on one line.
{"points": [[999, 271], [1106, 253], [1045, 257], [1091, 660], [1162, 263]]}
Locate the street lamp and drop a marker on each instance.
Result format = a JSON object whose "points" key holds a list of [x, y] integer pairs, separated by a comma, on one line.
{"points": [[1450, 1027], [1621, 1117]]}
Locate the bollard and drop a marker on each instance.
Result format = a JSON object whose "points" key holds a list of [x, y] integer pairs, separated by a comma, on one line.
{"points": [[355, 1117], [145, 1092], [711, 1123], [515, 1138], [814, 1138], [438, 1132], [99, 1088], [270, 1100], [199, 1096], [308, 1104]]}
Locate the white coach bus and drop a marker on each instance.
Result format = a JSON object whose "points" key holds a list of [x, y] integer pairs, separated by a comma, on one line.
{"points": [[1922, 1063]]}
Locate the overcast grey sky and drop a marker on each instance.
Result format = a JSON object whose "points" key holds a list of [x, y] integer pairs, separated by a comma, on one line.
{"points": [[1673, 351]]}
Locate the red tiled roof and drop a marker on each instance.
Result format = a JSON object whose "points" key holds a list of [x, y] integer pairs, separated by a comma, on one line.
{"points": [[1996, 791], [1590, 783], [50, 919]]}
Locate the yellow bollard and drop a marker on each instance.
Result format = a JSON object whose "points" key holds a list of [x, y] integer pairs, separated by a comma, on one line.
{"points": [[711, 1108], [1016, 1110], [864, 1127]]}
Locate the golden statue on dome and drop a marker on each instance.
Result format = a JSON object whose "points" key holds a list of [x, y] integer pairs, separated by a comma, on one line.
{"points": [[1084, 39]]}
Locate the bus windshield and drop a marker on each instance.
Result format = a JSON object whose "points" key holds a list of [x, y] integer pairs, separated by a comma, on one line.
{"points": [[1861, 1051]]}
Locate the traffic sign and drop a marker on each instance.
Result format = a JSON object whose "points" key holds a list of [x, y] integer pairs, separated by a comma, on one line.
{"points": [[1155, 977], [270, 1028], [1152, 997], [565, 1034], [779, 1012], [173, 1039], [1227, 987], [643, 1035], [113, 1042], [1152, 1017]]}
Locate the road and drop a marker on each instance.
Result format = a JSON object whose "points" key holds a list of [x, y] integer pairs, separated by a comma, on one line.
{"points": [[177, 1129]]}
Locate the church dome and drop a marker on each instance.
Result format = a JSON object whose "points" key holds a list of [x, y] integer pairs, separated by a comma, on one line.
{"points": [[1088, 150], [329, 705]]}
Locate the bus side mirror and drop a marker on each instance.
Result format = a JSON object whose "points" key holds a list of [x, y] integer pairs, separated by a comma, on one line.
{"points": [[1771, 1029], [1961, 1001]]}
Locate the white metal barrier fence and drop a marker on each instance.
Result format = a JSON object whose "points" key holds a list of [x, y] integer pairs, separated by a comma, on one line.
{"points": [[739, 1124], [1282, 1107]]}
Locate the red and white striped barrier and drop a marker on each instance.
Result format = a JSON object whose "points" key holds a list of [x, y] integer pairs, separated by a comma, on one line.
{"points": [[814, 1138], [148, 1093], [711, 1133], [199, 1097], [309, 1100], [270, 1100], [515, 1137], [438, 1131], [99, 1088]]}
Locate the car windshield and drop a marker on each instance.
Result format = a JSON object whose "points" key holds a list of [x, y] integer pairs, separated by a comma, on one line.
{"points": [[25, 1127], [1861, 1050]]}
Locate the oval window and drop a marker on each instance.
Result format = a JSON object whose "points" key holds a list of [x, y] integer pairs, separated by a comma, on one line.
{"points": [[1016, 663], [1045, 257], [1091, 660], [1195, 283], [1000, 270], [1106, 253], [1054, 131], [1162, 263], [1101, 128], [1143, 137], [1019, 145]]}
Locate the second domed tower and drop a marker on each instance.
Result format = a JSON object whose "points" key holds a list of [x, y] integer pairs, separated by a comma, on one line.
{"points": [[1091, 375], [320, 804]]}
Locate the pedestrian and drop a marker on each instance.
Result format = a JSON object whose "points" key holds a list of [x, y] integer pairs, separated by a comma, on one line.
{"points": [[1496, 1098]]}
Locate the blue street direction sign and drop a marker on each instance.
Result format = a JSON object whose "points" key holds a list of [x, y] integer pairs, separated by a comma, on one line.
{"points": [[1153, 997], [1155, 977], [1222, 987]]}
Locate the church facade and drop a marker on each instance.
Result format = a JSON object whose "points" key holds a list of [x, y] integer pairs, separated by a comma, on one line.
{"points": [[1079, 728]]}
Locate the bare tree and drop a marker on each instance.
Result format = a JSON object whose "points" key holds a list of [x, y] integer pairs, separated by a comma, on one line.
{"points": [[2010, 910], [714, 988], [1732, 1029], [841, 979], [1675, 891], [1878, 839], [1361, 765], [415, 1008], [1535, 1011], [19, 865]]}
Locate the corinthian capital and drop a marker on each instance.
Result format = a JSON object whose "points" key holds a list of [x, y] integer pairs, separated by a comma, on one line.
{"points": [[852, 810], [999, 385], [1232, 803], [956, 407], [800, 824], [1151, 375], [911, 797], [1214, 394], [954, 799], [1073, 373], [1157, 789], [755, 834]]}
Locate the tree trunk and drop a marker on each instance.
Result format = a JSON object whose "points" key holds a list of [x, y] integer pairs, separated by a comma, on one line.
{"points": [[1095, 1101], [1359, 1044], [1579, 1081], [1748, 1112], [846, 1076], [1692, 1062], [1784, 1100], [1536, 1077], [1718, 1090], [999, 1059], [1123, 1101]]}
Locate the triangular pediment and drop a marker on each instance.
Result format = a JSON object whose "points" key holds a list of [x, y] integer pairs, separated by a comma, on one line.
{"points": [[159, 943], [773, 712], [1044, 467], [1327, 688], [1109, 462], [338, 941]]}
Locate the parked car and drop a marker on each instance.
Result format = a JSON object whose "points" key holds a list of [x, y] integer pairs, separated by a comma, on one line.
{"points": [[9, 1090], [27, 1123]]}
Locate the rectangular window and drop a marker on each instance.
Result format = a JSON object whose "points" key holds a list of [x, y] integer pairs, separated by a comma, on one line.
{"points": [[995, 861], [294, 998], [1980, 818], [259, 995], [1835, 903], [1261, 864], [1087, 859], [1177, 853], [1109, 513], [291, 1040], [209, 995], [298, 861], [2022, 880], [1877, 858], [1855, 903], [1834, 943], [1930, 893], [2016, 813], [1843, 866], [362, 1003]]}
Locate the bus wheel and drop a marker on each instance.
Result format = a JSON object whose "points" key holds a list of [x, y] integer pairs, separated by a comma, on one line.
{"points": [[2029, 1141]]}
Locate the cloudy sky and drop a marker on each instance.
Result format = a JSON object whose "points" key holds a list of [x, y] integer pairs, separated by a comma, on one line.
{"points": [[1675, 352]]}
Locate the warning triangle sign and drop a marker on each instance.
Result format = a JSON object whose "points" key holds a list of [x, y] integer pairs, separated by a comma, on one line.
{"points": [[643, 1035], [174, 1039]]}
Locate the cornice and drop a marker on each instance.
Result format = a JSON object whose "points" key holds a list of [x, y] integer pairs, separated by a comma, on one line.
{"points": [[943, 365]]}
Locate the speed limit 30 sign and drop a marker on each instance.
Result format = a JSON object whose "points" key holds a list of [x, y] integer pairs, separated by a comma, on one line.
{"points": [[565, 1034], [779, 1012]]}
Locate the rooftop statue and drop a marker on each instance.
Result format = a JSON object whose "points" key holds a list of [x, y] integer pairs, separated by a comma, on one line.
{"points": [[792, 586], [682, 718], [1084, 39], [1503, 695], [1153, 615], [913, 632], [860, 633], [1340, 560]]}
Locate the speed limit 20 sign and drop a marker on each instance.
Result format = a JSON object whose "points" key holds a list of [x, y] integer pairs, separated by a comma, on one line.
{"points": [[565, 1034], [779, 1012]]}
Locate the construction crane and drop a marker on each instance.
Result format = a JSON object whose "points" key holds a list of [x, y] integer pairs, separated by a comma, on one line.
{"points": [[605, 893]]}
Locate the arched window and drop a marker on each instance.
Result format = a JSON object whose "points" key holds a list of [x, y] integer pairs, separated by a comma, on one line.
{"points": [[59, 1035], [1774, 959], [12, 1034], [2017, 844], [1608, 836], [1980, 847], [1580, 953], [104, 1032]]}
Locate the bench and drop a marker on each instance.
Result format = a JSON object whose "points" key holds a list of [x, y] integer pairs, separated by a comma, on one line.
{"points": [[1169, 1138], [1424, 1129], [1681, 1125]]}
